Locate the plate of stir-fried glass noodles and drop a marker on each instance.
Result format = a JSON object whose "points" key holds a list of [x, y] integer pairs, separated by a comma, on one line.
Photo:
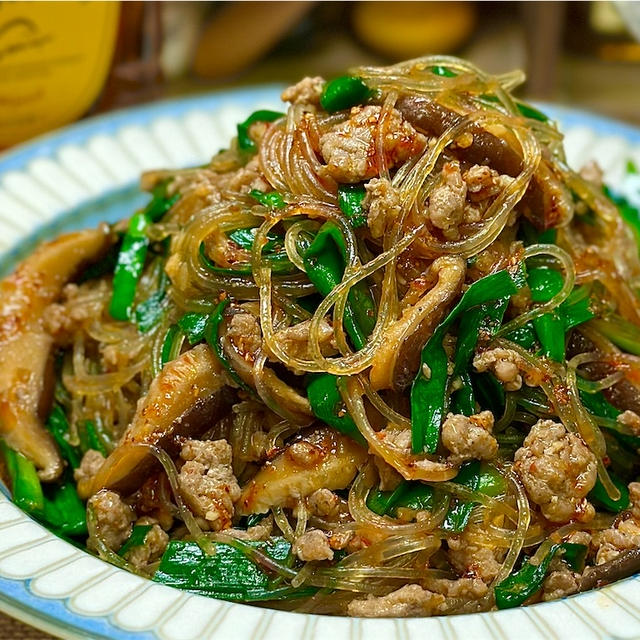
{"points": [[369, 352]]}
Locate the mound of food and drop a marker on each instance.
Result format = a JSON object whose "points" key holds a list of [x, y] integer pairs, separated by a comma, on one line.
{"points": [[378, 358]]}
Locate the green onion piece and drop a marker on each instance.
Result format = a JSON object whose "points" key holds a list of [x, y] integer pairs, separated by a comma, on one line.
{"points": [[63, 511], [621, 332], [525, 109], [550, 327], [599, 496], [325, 263], [212, 336], [343, 93], [350, 199], [90, 438], [133, 251], [531, 112], [631, 168], [193, 325], [428, 395], [279, 263], [160, 201], [409, 495], [228, 574], [58, 505], [521, 585], [136, 539], [483, 478], [131, 259], [173, 341], [327, 405], [26, 490], [574, 555], [245, 143], [576, 309], [58, 426], [244, 238], [149, 313], [443, 72], [271, 200], [525, 336]]}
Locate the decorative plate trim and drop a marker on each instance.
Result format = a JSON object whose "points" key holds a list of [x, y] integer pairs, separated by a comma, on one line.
{"points": [[87, 173]]}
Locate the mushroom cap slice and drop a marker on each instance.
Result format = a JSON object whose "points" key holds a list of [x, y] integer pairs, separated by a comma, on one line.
{"points": [[322, 459], [25, 346], [185, 399]]}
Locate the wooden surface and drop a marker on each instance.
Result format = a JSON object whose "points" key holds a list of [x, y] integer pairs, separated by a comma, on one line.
{"points": [[11, 629]]}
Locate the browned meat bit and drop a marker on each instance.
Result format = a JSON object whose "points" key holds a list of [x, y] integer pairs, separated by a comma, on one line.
{"points": [[245, 335], [207, 481], [631, 420], [471, 557], [259, 532], [508, 366], [484, 182], [558, 470], [114, 519], [383, 204], [313, 545], [307, 91], [349, 149], [323, 503], [624, 534], [467, 588], [91, 463], [408, 601], [446, 202], [470, 438], [154, 545], [559, 584]]}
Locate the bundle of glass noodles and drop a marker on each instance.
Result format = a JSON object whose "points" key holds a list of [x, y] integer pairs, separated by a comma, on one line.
{"points": [[379, 357]]}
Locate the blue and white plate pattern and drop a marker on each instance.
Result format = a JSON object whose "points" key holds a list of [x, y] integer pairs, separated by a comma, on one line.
{"points": [[88, 172]]}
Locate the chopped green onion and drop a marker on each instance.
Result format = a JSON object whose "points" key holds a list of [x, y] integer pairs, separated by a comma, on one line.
{"points": [[271, 200], [521, 585], [350, 199], [343, 93], [325, 263], [245, 143], [327, 405], [193, 325], [228, 574], [58, 426], [428, 396], [136, 539]]}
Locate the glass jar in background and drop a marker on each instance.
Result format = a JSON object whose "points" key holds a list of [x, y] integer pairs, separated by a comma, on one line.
{"points": [[54, 59]]}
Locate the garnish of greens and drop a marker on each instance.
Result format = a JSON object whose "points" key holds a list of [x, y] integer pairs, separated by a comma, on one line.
{"points": [[221, 351]]}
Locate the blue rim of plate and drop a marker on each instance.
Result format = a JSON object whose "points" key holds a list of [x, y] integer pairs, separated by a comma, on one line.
{"points": [[52, 615]]}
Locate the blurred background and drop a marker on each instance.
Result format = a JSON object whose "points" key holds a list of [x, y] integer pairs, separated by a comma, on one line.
{"points": [[63, 61]]}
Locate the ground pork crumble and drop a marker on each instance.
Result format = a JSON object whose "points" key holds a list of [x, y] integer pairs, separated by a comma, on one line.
{"points": [[408, 601], [470, 437], [113, 519], [313, 545], [154, 545], [207, 481], [349, 148], [557, 470], [625, 532]]}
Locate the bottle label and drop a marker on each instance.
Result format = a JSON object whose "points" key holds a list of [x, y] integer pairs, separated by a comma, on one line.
{"points": [[54, 60]]}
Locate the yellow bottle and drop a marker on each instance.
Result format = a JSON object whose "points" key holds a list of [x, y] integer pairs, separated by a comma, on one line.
{"points": [[54, 59]]}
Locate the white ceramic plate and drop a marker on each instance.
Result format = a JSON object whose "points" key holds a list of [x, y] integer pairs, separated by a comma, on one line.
{"points": [[87, 173]]}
